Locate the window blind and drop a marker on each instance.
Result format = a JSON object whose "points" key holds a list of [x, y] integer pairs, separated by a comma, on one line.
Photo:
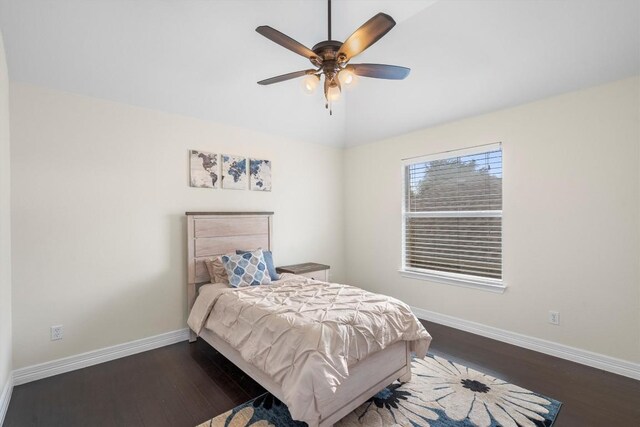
{"points": [[453, 213]]}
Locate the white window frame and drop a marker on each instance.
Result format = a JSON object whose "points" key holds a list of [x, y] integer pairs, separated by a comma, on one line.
{"points": [[456, 279]]}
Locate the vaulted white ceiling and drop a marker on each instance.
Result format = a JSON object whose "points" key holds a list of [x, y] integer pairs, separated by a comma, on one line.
{"points": [[202, 58]]}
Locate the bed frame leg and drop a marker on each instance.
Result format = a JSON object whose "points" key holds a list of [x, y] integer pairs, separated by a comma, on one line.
{"points": [[192, 336], [406, 377]]}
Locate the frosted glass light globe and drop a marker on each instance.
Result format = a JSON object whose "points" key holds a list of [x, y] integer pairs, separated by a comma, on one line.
{"points": [[333, 94], [346, 77], [310, 83]]}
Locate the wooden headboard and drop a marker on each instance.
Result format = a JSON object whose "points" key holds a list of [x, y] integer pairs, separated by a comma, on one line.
{"points": [[216, 233]]}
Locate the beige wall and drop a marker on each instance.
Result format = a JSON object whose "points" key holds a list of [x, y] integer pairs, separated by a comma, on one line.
{"points": [[5, 226], [99, 190], [571, 219], [99, 195]]}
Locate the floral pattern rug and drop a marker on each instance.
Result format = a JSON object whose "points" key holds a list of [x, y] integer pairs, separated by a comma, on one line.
{"points": [[441, 394]]}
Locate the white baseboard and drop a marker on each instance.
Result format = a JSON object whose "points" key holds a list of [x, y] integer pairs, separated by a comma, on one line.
{"points": [[5, 398], [584, 357], [79, 361]]}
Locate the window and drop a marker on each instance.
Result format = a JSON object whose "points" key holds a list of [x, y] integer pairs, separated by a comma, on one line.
{"points": [[452, 217]]}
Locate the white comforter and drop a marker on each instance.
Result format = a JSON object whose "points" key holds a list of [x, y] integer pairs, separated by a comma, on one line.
{"points": [[306, 334]]}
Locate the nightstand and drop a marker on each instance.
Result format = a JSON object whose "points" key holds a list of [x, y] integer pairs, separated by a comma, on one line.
{"points": [[308, 269]]}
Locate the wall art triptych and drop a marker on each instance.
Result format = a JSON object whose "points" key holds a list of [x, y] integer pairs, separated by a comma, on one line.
{"points": [[210, 170]]}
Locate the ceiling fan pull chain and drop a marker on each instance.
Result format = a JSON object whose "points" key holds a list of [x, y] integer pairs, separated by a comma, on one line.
{"points": [[329, 106]]}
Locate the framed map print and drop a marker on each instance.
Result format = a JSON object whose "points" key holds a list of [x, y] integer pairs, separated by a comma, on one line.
{"points": [[234, 172], [205, 169], [260, 175]]}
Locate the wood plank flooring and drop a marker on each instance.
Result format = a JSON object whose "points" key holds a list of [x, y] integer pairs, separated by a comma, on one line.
{"points": [[186, 384]]}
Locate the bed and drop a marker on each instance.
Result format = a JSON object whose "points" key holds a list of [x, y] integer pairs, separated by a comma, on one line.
{"points": [[215, 233]]}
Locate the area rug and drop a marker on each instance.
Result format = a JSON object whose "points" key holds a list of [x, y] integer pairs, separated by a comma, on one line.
{"points": [[441, 394]]}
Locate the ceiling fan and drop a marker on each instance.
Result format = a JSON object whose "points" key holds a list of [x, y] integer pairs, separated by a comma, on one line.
{"points": [[331, 57]]}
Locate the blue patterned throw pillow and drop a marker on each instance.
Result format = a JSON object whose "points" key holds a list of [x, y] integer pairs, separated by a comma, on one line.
{"points": [[268, 259], [248, 269]]}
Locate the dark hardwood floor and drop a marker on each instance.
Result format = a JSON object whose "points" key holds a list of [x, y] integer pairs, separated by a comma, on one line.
{"points": [[186, 384]]}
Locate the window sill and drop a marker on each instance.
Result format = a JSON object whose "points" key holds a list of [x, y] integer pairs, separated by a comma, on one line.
{"points": [[490, 285]]}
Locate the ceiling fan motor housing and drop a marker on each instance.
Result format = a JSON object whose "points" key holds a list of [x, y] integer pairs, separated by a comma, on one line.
{"points": [[328, 58], [327, 49]]}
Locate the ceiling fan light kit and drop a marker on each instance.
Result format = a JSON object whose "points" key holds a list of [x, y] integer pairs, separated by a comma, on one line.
{"points": [[331, 58]]}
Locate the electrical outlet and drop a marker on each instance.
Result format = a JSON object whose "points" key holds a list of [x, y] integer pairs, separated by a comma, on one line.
{"points": [[56, 332], [554, 317]]}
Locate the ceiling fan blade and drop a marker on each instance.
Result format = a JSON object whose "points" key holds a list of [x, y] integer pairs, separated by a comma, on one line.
{"points": [[379, 71], [288, 76], [369, 33], [286, 41]]}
